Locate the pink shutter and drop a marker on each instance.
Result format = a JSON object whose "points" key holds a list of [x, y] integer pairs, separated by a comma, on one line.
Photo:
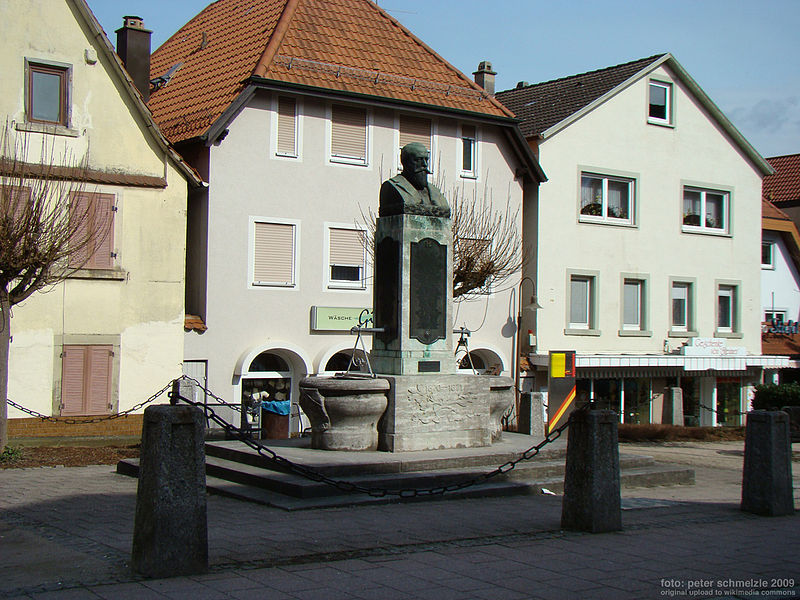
{"points": [[104, 228], [98, 380], [79, 223], [72, 368]]}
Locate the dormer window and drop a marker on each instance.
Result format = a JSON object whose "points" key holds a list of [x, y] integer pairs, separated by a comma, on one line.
{"points": [[660, 103]]}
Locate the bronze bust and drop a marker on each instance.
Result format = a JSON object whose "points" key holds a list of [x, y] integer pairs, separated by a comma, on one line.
{"points": [[409, 192]]}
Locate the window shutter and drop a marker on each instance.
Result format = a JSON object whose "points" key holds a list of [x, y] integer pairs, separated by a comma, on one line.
{"points": [[415, 129], [347, 247], [273, 260], [93, 212], [98, 379], [287, 126], [72, 366], [349, 132]]}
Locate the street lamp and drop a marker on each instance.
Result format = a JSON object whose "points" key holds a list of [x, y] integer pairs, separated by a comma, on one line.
{"points": [[533, 305]]}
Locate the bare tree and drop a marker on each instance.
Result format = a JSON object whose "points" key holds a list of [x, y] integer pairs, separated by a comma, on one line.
{"points": [[487, 243], [48, 230]]}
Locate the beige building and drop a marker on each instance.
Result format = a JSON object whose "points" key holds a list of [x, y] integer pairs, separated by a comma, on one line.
{"points": [[112, 334], [648, 235], [295, 112]]}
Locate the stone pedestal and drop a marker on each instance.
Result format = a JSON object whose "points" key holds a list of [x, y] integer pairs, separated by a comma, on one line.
{"points": [[767, 474], [413, 296], [591, 480], [448, 411], [170, 534], [343, 411], [672, 409]]}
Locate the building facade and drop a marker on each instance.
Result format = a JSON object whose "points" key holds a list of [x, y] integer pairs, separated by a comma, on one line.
{"points": [[647, 242], [294, 131], [112, 334]]}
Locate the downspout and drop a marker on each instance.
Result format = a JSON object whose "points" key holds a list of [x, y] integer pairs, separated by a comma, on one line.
{"points": [[276, 38]]}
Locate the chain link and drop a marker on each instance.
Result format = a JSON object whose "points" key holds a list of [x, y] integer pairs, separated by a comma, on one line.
{"points": [[349, 486], [84, 421], [733, 413]]}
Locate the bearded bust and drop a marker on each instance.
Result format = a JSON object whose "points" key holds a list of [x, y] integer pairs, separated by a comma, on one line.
{"points": [[409, 192]]}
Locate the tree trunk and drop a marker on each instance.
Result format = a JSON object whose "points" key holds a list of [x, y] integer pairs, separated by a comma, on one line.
{"points": [[5, 342]]}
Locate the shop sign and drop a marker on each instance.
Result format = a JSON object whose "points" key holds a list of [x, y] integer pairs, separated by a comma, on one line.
{"points": [[712, 347], [775, 326], [338, 318]]}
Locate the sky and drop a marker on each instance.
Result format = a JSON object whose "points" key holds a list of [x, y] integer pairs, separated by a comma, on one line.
{"points": [[744, 54]]}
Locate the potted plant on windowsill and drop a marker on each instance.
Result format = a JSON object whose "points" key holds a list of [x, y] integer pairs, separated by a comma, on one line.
{"points": [[594, 209], [691, 219]]}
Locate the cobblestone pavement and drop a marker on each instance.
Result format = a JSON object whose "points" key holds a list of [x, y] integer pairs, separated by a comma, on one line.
{"points": [[66, 533]]}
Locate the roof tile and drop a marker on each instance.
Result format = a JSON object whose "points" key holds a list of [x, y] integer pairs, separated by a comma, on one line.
{"points": [[784, 185], [350, 46], [542, 105]]}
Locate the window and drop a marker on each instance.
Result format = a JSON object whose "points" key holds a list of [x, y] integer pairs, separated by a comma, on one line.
{"points": [[767, 255], [93, 212], [13, 202], [287, 127], [274, 250], [633, 305], [660, 104], [681, 306], [705, 211], [778, 317], [348, 134], [606, 199], [582, 304], [469, 149], [47, 94], [415, 129], [347, 258], [86, 379], [727, 309]]}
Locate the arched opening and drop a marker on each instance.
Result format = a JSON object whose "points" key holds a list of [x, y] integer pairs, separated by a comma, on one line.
{"points": [[480, 361], [268, 411], [339, 362]]}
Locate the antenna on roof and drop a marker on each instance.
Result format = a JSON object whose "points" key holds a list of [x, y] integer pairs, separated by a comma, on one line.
{"points": [[162, 80]]}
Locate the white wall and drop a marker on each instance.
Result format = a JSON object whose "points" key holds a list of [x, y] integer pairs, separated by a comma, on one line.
{"points": [[779, 285]]}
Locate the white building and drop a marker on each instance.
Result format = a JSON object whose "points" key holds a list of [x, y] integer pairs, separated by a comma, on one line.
{"points": [[647, 234], [294, 112]]}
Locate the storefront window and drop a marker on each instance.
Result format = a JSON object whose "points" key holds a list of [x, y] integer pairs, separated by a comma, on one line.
{"points": [[729, 401], [637, 401]]}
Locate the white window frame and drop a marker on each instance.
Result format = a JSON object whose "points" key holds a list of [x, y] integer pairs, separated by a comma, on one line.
{"points": [[772, 313], [603, 217], [298, 128], [331, 283], [346, 160], [665, 85], [588, 326], [687, 330], [770, 264], [251, 282], [732, 290], [703, 227], [474, 142], [640, 328]]}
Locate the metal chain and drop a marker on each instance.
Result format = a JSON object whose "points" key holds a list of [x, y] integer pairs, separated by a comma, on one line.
{"points": [[83, 421], [733, 413], [348, 486]]}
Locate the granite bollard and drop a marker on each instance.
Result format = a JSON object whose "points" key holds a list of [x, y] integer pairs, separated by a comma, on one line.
{"points": [[591, 479], [170, 534], [767, 473]]}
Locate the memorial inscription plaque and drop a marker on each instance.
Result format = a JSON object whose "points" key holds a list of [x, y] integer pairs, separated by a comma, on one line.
{"points": [[428, 302]]}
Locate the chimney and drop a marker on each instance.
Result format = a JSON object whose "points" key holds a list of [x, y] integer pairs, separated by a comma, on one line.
{"points": [[484, 76], [133, 47]]}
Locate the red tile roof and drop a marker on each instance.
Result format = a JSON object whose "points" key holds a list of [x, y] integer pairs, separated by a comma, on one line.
{"points": [[542, 105], [784, 185], [349, 46], [781, 344]]}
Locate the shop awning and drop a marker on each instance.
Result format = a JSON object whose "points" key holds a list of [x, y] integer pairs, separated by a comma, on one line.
{"points": [[671, 361]]}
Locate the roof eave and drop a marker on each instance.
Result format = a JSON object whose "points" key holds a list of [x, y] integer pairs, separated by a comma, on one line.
{"points": [[192, 177]]}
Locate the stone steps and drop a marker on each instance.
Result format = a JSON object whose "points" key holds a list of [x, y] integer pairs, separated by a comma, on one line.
{"points": [[235, 470]]}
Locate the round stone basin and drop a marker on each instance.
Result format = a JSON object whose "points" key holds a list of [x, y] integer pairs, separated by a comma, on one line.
{"points": [[344, 411]]}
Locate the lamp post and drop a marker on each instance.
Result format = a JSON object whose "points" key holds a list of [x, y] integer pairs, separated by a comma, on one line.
{"points": [[533, 305]]}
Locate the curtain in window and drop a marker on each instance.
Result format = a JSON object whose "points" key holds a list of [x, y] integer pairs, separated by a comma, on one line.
{"points": [[691, 207], [579, 302], [714, 210], [631, 303], [617, 199], [591, 196]]}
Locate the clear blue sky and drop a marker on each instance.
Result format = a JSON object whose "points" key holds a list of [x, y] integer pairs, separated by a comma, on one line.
{"points": [[744, 54]]}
